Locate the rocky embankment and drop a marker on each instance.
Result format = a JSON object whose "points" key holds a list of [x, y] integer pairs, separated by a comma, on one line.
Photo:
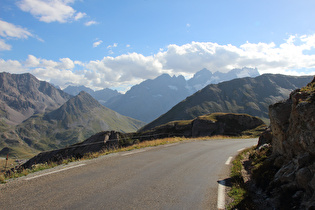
{"points": [[292, 184]]}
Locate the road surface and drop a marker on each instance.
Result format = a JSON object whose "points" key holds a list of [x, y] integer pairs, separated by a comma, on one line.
{"points": [[179, 176]]}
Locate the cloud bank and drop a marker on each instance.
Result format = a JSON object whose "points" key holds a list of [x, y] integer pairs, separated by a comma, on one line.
{"points": [[295, 56], [10, 31], [52, 10]]}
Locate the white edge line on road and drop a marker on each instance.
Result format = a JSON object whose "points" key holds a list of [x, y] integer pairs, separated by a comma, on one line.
{"points": [[229, 160], [169, 145], [75, 166], [221, 195], [146, 149], [240, 150], [131, 153]]}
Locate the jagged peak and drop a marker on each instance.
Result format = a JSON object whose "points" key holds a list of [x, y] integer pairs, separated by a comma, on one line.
{"points": [[86, 98]]}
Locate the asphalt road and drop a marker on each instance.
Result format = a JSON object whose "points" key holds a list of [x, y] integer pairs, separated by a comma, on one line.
{"points": [[180, 176]]}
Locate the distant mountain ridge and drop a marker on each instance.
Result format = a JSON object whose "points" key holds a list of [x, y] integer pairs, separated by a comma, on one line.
{"points": [[204, 77], [152, 98], [245, 95], [22, 95], [101, 95]]}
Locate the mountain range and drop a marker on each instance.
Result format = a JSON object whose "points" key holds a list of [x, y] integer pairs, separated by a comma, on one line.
{"points": [[101, 95], [152, 98], [244, 95], [35, 116], [46, 121]]}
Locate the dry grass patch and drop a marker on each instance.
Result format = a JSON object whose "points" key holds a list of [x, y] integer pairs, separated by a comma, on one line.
{"points": [[10, 164]]}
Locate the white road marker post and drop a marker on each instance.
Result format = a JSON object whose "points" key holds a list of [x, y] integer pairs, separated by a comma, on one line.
{"points": [[221, 195]]}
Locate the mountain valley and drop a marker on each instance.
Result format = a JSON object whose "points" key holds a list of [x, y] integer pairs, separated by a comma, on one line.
{"points": [[46, 120], [49, 118]]}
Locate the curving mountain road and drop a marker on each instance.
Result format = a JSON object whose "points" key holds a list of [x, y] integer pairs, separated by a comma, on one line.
{"points": [[178, 176]]}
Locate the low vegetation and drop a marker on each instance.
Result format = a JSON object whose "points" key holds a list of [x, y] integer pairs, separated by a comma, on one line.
{"points": [[260, 171], [309, 88], [238, 191]]}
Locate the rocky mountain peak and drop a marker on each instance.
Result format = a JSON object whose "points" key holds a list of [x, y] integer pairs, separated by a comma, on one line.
{"points": [[22, 95], [75, 107]]}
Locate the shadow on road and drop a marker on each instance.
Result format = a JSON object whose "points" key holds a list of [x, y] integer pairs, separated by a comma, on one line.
{"points": [[226, 182]]}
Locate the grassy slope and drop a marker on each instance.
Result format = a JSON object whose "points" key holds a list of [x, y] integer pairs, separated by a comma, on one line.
{"points": [[73, 122]]}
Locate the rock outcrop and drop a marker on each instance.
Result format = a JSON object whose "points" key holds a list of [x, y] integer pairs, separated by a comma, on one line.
{"points": [[209, 125], [96, 143], [293, 150]]}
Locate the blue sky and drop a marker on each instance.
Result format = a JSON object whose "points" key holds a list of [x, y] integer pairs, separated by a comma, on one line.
{"points": [[116, 44]]}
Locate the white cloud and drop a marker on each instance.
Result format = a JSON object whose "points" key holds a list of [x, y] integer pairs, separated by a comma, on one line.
{"points": [[59, 73], [267, 57], [51, 10], [4, 46], [12, 66], [97, 43], [89, 23], [112, 46], [66, 63], [32, 61], [129, 69], [11, 31], [79, 15]]}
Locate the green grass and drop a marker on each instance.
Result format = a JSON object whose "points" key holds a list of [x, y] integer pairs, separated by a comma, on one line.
{"points": [[238, 191], [309, 88], [261, 169], [256, 132]]}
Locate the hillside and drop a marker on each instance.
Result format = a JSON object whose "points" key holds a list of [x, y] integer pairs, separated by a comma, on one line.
{"points": [[22, 95], [77, 119], [245, 95]]}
